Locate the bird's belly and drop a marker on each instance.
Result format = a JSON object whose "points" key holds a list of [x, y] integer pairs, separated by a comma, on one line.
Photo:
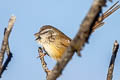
{"points": [[54, 52]]}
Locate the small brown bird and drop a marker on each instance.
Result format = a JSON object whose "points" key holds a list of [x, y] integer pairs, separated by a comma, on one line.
{"points": [[55, 42]]}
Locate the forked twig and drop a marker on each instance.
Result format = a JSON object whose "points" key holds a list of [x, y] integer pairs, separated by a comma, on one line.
{"points": [[5, 45], [111, 10]]}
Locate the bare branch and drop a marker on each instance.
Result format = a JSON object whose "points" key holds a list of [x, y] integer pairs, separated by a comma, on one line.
{"points": [[44, 65], [113, 57], [80, 39], [9, 54], [5, 44]]}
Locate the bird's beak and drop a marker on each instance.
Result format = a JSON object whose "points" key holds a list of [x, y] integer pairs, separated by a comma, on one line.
{"points": [[37, 36]]}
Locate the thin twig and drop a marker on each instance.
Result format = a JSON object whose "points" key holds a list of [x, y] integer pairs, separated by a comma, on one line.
{"points": [[5, 44], [9, 56], [100, 22], [44, 65], [113, 57], [80, 39], [111, 7]]}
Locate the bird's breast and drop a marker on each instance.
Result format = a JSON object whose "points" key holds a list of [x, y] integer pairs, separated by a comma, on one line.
{"points": [[54, 51]]}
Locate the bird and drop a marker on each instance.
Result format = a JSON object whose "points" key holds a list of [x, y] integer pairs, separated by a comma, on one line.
{"points": [[55, 42]]}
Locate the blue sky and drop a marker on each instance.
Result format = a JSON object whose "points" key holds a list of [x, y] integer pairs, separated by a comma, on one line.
{"points": [[65, 15]]}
